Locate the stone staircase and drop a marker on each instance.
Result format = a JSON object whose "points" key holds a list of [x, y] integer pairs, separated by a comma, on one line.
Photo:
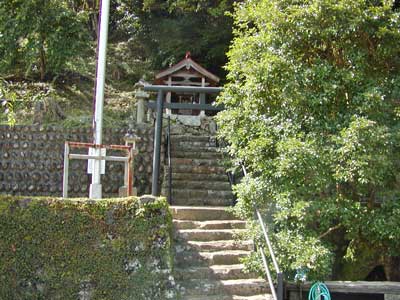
{"points": [[207, 259], [207, 256], [198, 174]]}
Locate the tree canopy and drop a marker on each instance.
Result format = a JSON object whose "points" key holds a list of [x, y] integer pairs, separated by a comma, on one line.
{"points": [[39, 36], [55, 42], [313, 112], [168, 29]]}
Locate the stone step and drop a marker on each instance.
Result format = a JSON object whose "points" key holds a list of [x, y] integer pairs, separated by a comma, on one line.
{"points": [[189, 138], [199, 213], [229, 297], [199, 169], [213, 224], [200, 201], [207, 235], [213, 245], [197, 162], [220, 245], [196, 154], [192, 144], [196, 184], [218, 272], [194, 148], [196, 176], [238, 287], [203, 193], [195, 258]]}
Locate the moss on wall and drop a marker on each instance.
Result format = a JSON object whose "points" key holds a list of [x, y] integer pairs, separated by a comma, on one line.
{"points": [[80, 249]]}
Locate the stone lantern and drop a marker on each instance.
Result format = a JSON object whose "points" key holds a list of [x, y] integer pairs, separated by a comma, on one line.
{"points": [[141, 97]]}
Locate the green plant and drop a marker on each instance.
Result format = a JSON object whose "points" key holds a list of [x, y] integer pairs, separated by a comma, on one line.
{"points": [[7, 102], [39, 37], [312, 110]]}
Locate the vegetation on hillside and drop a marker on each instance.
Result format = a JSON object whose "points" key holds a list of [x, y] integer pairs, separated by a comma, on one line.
{"points": [[48, 49], [313, 112]]}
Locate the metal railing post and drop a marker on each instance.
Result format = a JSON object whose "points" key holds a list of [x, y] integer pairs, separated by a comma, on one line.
{"points": [[66, 166], [278, 293], [129, 173], [126, 176], [157, 144], [268, 273]]}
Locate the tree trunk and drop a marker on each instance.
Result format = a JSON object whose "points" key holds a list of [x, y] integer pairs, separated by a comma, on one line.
{"points": [[95, 24], [42, 60]]}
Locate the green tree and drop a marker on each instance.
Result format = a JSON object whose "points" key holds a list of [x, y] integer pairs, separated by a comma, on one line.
{"points": [[313, 111], [168, 29], [89, 8], [39, 36], [154, 34]]}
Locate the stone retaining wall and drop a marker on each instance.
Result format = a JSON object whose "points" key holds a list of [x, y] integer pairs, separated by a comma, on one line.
{"points": [[31, 161]]}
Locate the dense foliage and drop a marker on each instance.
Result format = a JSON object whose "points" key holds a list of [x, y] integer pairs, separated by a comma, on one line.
{"points": [[313, 111], [7, 102], [168, 29], [70, 249], [55, 41], [39, 36]]}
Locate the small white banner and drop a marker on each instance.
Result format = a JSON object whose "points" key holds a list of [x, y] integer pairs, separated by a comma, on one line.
{"points": [[92, 151]]}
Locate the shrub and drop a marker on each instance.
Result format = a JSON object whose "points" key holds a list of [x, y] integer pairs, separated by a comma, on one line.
{"points": [[313, 111]]}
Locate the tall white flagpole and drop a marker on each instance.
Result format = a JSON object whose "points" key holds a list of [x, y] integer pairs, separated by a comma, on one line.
{"points": [[95, 188]]}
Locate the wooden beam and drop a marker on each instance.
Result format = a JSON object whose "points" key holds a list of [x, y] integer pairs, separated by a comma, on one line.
{"points": [[189, 89], [187, 74], [186, 82]]}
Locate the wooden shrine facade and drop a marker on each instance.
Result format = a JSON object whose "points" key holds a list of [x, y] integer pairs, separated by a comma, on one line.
{"points": [[187, 73]]}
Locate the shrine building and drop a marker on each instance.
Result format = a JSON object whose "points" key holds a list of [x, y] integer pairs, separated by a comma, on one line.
{"points": [[187, 73]]}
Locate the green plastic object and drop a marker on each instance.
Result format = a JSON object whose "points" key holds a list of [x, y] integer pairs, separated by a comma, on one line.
{"points": [[319, 291]]}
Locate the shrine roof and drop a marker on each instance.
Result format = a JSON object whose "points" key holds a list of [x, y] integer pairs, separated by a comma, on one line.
{"points": [[187, 63]]}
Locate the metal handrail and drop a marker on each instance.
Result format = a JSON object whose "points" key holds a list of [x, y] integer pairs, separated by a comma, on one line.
{"points": [[277, 294]]}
